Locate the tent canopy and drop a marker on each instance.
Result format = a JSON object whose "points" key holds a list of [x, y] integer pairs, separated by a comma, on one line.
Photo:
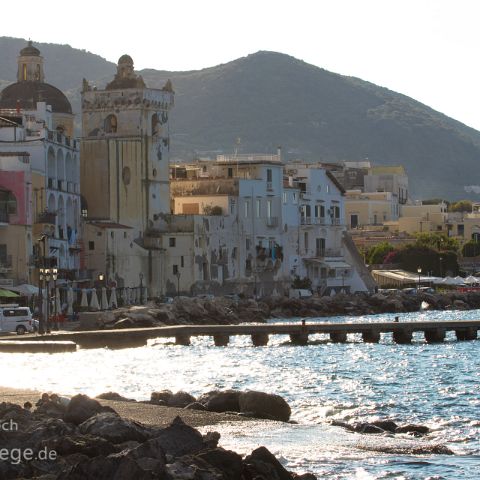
{"points": [[8, 293]]}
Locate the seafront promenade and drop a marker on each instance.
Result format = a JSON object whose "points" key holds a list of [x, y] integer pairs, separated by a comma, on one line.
{"points": [[298, 332]]}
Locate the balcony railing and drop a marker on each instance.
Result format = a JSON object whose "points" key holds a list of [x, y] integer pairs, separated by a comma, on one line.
{"points": [[52, 183], [306, 220], [269, 187], [46, 217], [272, 222]]}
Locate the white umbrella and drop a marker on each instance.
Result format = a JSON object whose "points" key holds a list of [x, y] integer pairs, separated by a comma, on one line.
{"points": [[144, 296], [94, 301], [332, 292], [70, 301], [133, 293], [471, 279], [84, 301], [104, 301], [459, 280], [113, 298], [58, 304], [125, 296]]}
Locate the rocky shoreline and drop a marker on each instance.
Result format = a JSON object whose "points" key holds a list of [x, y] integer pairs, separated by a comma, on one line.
{"points": [[79, 438], [223, 311]]}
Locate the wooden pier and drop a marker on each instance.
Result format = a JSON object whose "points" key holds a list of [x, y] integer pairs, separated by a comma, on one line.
{"points": [[298, 332]]}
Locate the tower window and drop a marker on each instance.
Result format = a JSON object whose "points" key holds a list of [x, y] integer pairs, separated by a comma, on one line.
{"points": [[111, 124], [24, 71]]}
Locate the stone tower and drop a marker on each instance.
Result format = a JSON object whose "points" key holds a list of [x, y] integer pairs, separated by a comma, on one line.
{"points": [[125, 165]]}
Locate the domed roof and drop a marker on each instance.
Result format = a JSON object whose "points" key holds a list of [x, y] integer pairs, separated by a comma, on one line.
{"points": [[28, 93], [30, 51], [125, 59]]}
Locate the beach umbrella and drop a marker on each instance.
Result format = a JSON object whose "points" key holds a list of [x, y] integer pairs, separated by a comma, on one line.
{"points": [[58, 304], [104, 301], [94, 300], [113, 298], [84, 301], [70, 301], [332, 292], [471, 279], [125, 296], [459, 280]]}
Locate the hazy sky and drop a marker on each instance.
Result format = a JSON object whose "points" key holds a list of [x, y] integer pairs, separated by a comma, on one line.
{"points": [[427, 49]]}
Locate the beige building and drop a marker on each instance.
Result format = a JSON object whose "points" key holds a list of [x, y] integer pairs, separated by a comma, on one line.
{"points": [[125, 176], [374, 208]]}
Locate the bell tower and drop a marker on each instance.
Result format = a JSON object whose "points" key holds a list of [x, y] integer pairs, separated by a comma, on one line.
{"points": [[30, 65]]}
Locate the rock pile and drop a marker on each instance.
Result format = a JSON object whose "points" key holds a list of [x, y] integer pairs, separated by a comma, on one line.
{"points": [[223, 311], [250, 403], [82, 440]]}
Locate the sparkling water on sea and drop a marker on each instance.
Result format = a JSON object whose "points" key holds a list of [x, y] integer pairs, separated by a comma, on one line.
{"points": [[436, 385]]}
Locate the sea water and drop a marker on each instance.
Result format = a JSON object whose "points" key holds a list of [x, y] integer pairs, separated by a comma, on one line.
{"points": [[437, 385]]}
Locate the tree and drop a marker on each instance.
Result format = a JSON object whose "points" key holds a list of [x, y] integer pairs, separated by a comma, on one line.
{"points": [[301, 282], [437, 241], [471, 249], [376, 255], [460, 206]]}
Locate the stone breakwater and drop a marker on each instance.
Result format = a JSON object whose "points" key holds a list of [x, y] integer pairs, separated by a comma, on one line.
{"points": [[79, 438], [223, 311]]}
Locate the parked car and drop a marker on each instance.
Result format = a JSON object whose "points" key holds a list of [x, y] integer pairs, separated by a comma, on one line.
{"points": [[15, 319]]}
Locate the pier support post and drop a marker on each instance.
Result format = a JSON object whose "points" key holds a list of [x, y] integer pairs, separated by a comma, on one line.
{"points": [[259, 339], [371, 336], [435, 335], [221, 340], [299, 338], [466, 333], [402, 336], [338, 337], [182, 340]]}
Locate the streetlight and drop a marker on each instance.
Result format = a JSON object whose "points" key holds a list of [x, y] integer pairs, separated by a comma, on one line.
{"points": [[441, 258], [41, 318], [47, 273], [419, 270], [178, 282], [55, 276], [101, 277], [141, 287]]}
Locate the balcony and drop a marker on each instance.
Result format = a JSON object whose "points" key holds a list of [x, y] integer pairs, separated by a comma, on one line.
{"points": [[5, 263], [305, 220], [306, 194], [46, 217], [269, 187], [52, 183], [272, 222], [335, 221]]}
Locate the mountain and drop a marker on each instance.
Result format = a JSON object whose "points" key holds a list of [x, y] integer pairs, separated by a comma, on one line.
{"points": [[269, 99]]}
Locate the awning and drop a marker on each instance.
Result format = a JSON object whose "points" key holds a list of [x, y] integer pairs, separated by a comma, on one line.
{"points": [[8, 294], [328, 263], [26, 289]]}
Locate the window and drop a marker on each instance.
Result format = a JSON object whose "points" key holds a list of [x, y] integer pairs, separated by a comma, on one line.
{"points": [[91, 245], [295, 198], [182, 262], [110, 124], [172, 242], [175, 269], [232, 206], [460, 229], [269, 175], [285, 197], [269, 208], [8, 203], [247, 208], [305, 240], [247, 244], [230, 172], [258, 205]]}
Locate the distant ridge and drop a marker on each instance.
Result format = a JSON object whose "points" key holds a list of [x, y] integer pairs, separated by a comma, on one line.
{"points": [[268, 99]]}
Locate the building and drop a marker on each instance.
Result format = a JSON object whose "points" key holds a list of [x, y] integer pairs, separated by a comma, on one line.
{"points": [[370, 208], [272, 223], [39, 175], [126, 144]]}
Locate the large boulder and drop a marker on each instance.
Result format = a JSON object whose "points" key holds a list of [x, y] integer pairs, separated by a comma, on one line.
{"points": [[216, 401], [161, 397], [180, 399], [263, 464], [264, 405], [179, 439], [227, 462], [114, 428], [82, 407]]}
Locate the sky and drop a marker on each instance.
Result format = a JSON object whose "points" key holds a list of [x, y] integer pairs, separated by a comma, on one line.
{"points": [[426, 49]]}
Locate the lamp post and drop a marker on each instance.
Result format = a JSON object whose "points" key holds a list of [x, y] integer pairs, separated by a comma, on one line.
{"points": [[440, 259], [141, 287], [419, 270], [178, 282], [55, 315], [48, 273], [41, 318], [101, 278]]}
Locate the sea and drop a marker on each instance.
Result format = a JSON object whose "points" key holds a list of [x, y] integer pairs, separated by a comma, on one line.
{"points": [[437, 385]]}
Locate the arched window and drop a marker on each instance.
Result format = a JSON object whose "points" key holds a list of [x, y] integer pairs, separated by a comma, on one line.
{"points": [[155, 125], [110, 124]]}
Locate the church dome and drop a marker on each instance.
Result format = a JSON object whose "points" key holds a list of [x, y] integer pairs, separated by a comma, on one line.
{"points": [[28, 93], [30, 51]]}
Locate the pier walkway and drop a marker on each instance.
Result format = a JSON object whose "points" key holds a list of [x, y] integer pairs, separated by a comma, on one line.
{"points": [[298, 332]]}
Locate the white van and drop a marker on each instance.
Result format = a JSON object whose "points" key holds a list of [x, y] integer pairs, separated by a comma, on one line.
{"points": [[15, 319]]}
